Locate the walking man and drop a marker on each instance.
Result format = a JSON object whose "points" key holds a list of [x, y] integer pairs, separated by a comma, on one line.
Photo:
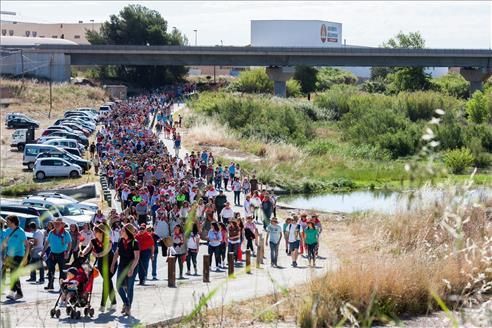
{"points": [[15, 241], [294, 237], [274, 232], [59, 242]]}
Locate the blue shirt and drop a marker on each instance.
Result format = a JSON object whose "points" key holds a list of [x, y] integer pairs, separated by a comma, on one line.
{"points": [[59, 242], [16, 242]]}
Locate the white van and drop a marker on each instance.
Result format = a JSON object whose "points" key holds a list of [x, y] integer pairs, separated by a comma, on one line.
{"points": [[31, 151]]}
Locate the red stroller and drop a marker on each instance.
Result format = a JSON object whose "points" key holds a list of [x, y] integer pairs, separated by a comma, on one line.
{"points": [[78, 298]]}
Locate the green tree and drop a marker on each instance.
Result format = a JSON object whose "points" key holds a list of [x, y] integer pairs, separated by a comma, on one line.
{"points": [[452, 84], [329, 76], [403, 78], [138, 25], [477, 108], [307, 77]]}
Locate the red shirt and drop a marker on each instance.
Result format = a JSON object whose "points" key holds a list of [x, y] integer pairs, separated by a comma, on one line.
{"points": [[145, 240]]}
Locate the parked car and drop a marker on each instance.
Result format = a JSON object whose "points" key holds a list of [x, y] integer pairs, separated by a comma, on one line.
{"points": [[24, 220], [60, 127], [65, 143], [80, 115], [89, 109], [31, 151], [77, 128], [84, 164], [21, 122], [42, 213], [104, 109], [86, 124], [63, 208], [11, 116], [85, 206], [55, 167], [64, 134], [73, 151]]}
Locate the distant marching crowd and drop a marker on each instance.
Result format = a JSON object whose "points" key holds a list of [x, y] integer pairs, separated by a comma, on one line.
{"points": [[168, 203]]}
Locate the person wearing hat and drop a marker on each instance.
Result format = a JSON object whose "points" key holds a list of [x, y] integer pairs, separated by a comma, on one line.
{"points": [[274, 234], [101, 247], [312, 235], [15, 242], [59, 241], [146, 244], [128, 254]]}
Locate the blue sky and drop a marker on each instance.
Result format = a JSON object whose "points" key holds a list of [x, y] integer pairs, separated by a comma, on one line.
{"points": [[453, 24]]}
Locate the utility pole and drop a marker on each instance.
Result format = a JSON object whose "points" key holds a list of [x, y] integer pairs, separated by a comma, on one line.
{"points": [[196, 33], [92, 21], [51, 82]]}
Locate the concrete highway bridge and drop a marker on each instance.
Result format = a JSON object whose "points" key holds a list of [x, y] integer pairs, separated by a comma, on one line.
{"points": [[475, 64]]}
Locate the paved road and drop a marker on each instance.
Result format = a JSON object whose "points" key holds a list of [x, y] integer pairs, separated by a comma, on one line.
{"points": [[156, 302]]}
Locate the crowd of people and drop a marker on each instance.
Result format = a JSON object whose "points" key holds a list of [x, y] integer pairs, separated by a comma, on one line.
{"points": [[169, 205]]}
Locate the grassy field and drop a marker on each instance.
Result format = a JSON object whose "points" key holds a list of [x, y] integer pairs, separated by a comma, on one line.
{"points": [[34, 101], [327, 163]]}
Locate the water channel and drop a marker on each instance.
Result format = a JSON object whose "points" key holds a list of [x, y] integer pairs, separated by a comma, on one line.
{"points": [[377, 201]]}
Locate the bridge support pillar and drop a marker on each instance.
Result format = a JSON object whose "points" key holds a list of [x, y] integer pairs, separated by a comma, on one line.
{"points": [[476, 77], [280, 75]]}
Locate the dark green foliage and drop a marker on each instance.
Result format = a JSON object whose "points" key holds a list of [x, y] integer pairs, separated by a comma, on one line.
{"points": [[307, 77], [336, 100], [253, 81], [259, 117], [374, 86], [452, 84], [477, 108], [421, 105], [399, 79], [329, 76], [457, 160], [138, 25]]}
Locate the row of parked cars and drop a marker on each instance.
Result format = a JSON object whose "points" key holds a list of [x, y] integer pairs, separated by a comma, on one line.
{"points": [[59, 151], [46, 207]]}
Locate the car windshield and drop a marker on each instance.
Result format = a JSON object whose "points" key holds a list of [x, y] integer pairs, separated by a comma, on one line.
{"points": [[69, 210]]}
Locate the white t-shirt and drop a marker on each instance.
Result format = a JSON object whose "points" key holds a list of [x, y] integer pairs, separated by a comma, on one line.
{"points": [[292, 228], [247, 208], [227, 213], [39, 237]]}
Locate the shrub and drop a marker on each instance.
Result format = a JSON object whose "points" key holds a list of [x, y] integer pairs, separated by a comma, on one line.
{"points": [[253, 81], [458, 160], [319, 147], [293, 88], [421, 105], [482, 132], [336, 100], [373, 86], [265, 118], [482, 160], [477, 108], [329, 76], [452, 84]]}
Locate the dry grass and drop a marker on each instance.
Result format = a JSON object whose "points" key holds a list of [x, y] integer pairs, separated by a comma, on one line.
{"points": [[446, 250], [209, 133]]}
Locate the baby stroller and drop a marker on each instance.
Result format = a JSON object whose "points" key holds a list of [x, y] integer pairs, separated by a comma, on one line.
{"points": [[78, 297]]}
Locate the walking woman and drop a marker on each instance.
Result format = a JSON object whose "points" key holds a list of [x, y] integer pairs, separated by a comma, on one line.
{"points": [[214, 242], [179, 247], [100, 246], [75, 248], [311, 239], [128, 252], [193, 245]]}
